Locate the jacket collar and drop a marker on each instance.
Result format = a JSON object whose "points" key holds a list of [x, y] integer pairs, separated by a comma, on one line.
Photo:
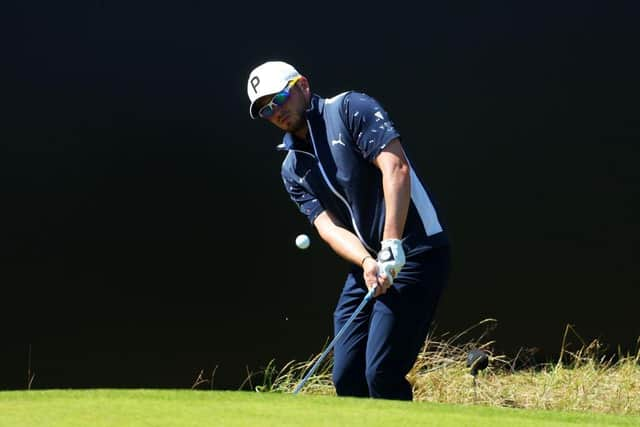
{"points": [[316, 106]]}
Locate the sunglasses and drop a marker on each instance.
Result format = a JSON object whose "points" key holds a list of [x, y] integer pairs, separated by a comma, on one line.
{"points": [[278, 100]]}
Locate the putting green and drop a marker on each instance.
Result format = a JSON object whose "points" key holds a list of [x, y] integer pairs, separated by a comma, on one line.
{"points": [[133, 408]]}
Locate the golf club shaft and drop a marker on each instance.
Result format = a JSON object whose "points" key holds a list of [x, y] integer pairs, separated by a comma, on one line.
{"points": [[364, 302]]}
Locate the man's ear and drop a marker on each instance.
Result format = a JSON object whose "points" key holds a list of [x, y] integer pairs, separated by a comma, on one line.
{"points": [[303, 83]]}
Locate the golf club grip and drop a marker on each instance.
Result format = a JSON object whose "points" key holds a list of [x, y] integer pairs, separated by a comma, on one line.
{"points": [[385, 271], [364, 302]]}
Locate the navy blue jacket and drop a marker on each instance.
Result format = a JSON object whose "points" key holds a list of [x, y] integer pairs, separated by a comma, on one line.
{"points": [[336, 172]]}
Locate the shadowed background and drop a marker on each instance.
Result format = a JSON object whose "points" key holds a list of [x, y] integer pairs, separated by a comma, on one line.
{"points": [[145, 232]]}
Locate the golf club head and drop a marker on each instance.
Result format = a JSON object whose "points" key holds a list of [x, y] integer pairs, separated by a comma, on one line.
{"points": [[477, 360]]}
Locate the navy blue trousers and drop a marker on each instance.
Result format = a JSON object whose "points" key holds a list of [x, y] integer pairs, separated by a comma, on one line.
{"points": [[380, 347]]}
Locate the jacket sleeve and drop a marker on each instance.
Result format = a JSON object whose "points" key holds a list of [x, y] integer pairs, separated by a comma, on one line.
{"points": [[307, 203], [368, 123]]}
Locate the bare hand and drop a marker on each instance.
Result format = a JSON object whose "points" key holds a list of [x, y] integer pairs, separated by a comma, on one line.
{"points": [[373, 276]]}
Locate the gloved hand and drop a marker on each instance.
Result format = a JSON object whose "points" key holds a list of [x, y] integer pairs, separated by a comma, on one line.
{"points": [[391, 258]]}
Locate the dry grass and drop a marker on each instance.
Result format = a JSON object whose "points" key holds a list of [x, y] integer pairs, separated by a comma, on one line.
{"points": [[581, 380]]}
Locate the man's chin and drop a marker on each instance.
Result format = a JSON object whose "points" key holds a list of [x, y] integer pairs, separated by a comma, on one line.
{"points": [[295, 126]]}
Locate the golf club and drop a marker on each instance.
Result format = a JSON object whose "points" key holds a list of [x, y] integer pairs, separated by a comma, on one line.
{"points": [[364, 302], [477, 360]]}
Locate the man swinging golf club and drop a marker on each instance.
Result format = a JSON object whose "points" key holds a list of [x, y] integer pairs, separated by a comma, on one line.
{"points": [[347, 171]]}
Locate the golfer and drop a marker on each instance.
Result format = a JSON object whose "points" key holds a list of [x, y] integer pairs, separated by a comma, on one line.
{"points": [[346, 170]]}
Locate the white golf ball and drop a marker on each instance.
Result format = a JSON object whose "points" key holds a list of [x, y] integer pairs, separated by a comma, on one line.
{"points": [[302, 241]]}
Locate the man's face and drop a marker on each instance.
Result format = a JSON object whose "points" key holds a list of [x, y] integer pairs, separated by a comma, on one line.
{"points": [[288, 116]]}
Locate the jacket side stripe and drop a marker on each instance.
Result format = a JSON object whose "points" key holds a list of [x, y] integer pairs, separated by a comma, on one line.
{"points": [[424, 206]]}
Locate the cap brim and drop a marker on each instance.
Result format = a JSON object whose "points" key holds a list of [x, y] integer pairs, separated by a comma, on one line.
{"points": [[254, 107], [252, 114]]}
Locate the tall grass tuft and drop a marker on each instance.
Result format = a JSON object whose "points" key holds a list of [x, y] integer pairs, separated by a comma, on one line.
{"points": [[586, 379]]}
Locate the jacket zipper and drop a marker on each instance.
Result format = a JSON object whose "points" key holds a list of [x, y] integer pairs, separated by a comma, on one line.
{"points": [[338, 195]]}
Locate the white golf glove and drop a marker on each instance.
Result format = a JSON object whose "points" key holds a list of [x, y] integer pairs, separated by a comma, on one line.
{"points": [[391, 258]]}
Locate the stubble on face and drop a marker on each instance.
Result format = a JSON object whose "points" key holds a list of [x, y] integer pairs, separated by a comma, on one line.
{"points": [[291, 117], [297, 124]]}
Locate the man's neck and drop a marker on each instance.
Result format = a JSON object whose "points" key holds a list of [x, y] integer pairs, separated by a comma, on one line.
{"points": [[302, 133]]}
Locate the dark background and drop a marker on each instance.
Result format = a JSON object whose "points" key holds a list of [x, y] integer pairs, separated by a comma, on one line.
{"points": [[145, 232]]}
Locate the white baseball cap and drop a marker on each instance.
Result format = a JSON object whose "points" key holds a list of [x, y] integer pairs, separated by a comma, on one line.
{"points": [[266, 79]]}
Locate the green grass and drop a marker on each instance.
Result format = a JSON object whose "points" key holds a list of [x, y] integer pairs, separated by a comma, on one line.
{"points": [[133, 408]]}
